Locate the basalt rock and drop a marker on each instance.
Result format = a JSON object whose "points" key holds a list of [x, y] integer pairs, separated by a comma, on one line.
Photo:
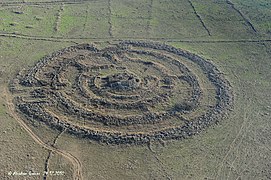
{"points": [[129, 93]]}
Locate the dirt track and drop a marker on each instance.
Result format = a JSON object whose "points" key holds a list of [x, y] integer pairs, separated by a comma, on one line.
{"points": [[77, 166]]}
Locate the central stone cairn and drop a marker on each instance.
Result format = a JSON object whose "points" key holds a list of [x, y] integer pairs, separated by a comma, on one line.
{"points": [[120, 82], [132, 92]]}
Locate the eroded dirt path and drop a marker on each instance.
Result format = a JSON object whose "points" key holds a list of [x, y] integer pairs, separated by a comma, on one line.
{"points": [[77, 166]]}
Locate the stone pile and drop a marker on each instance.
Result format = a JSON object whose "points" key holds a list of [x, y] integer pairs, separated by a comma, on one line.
{"points": [[116, 104]]}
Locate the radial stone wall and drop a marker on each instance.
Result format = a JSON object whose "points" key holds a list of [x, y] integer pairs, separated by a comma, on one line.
{"points": [[132, 92]]}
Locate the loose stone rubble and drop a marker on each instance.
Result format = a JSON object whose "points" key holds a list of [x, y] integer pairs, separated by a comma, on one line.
{"points": [[107, 100]]}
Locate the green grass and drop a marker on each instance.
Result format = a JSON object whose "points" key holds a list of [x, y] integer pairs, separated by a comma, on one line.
{"points": [[88, 20], [131, 9], [41, 19], [175, 20], [259, 12], [162, 19]]}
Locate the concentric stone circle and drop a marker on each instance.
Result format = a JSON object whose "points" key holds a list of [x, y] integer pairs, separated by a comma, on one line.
{"points": [[131, 92]]}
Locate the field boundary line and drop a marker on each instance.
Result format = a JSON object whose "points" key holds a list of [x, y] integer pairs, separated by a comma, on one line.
{"points": [[110, 30], [72, 39], [45, 2], [199, 18], [77, 166], [229, 2], [150, 18], [46, 167]]}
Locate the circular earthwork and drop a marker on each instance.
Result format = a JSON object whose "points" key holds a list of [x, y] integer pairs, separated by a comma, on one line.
{"points": [[128, 93]]}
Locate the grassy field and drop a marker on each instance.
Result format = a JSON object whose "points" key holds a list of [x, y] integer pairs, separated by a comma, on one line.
{"points": [[234, 35]]}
